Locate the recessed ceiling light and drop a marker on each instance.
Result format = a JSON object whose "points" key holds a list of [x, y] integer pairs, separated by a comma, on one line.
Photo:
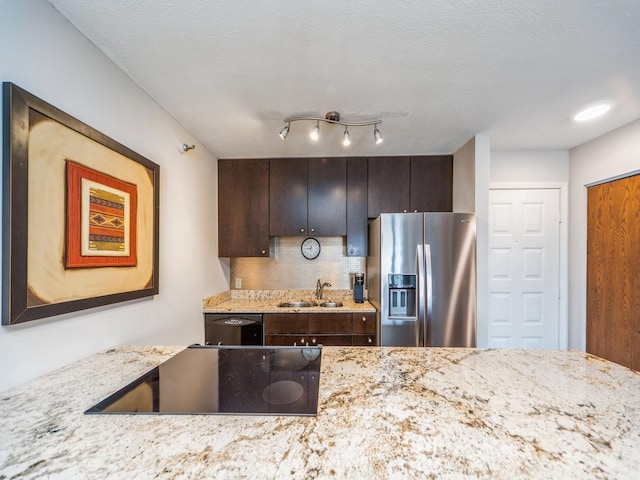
{"points": [[592, 112]]}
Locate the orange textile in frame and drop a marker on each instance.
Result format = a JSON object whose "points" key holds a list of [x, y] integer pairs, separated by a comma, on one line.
{"points": [[101, 219]]}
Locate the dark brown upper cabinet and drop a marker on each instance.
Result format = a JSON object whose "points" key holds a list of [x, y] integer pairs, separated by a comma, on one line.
{"points": [[432, 183], [327, 196], [287, 196], [410, 184], [389, 183], [243, 208], [307, 197], [357, 230]]}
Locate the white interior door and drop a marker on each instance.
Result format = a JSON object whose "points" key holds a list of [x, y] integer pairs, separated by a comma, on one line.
{"points": [[524, 268]]}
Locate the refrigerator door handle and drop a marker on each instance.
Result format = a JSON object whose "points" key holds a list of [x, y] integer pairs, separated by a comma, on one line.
{"points": [[429, 294], [421, 333]]}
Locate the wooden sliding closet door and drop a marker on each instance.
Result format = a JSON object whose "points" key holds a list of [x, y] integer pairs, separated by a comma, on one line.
{"points": [[613, 271]]}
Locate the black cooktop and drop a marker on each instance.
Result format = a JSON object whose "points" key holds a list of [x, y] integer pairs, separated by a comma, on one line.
{"points": [[225, 380]]}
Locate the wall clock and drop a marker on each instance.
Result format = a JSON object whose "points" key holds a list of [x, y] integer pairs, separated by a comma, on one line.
{"points": [[310, 248]]}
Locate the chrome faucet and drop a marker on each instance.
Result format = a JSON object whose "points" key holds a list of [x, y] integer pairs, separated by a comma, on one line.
{"points": [[319, 287]]}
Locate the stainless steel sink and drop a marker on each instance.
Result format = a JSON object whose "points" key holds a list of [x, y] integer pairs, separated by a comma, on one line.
{"points": [[331, 304], [297, 304]]}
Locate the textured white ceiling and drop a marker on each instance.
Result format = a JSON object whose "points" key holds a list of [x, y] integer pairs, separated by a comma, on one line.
{"points": [[436, 72]]}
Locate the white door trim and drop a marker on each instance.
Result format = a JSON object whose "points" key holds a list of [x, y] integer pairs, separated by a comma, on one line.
{"points": [[563, 338]]}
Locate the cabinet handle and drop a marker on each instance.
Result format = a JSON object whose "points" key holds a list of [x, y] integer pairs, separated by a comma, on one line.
{"points": [[313, 230], [302, 230], [313, 341], [364, 319], [263, 252], [369, 340], [351, 251], [404, 211]]}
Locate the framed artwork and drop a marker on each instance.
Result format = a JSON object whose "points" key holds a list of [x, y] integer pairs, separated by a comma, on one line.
{"points": [[80, 214]]}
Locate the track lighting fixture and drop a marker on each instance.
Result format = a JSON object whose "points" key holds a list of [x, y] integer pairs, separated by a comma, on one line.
{"points": [[333, 118]]}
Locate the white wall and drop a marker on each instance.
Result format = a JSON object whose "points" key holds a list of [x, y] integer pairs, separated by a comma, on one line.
{"points": [[612, 155], [44, 54], [530, 166]]}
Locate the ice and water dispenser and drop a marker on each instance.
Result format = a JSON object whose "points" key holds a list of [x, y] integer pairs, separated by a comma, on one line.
{"points": [[402, 295]]}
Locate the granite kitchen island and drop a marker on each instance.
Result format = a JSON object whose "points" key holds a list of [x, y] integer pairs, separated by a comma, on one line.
{"points": [[383, 413]]}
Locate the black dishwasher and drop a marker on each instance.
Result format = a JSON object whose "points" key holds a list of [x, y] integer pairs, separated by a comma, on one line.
{"points": [[233, 329]]}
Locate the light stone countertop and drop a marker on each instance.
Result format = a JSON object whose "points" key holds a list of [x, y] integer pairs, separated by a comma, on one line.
{"points": [[266, 301], [383, 413]]}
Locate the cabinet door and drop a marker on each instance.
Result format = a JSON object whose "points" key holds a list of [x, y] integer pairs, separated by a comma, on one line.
{"points": [[357, 207], [295, 323], [327, 323], [364, 340], [331, 340], [432, 183], [243, 208], [286, 340], [287, 196], [327, 196], [389, 183], [364, 322]]}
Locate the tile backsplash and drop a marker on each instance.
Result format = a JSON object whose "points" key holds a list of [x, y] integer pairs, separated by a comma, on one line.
{"points": [[286, 268]]}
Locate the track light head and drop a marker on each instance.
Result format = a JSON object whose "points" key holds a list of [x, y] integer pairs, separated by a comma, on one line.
{"points": [[346, 138], [285, 131], [377, 136], [315, 133]]}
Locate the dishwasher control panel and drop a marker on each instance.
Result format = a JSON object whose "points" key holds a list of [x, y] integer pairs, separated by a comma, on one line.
{"points": [[233, 329]]}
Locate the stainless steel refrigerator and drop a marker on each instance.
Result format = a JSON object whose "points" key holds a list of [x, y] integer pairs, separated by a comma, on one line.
{"points": [[421, 273]]}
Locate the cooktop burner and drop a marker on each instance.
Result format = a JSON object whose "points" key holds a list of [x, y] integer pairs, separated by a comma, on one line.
{"points": [[225, 380]]}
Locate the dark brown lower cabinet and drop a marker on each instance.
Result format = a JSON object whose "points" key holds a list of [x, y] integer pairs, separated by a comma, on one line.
{"points": [[364, 340], [329, 329]]}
